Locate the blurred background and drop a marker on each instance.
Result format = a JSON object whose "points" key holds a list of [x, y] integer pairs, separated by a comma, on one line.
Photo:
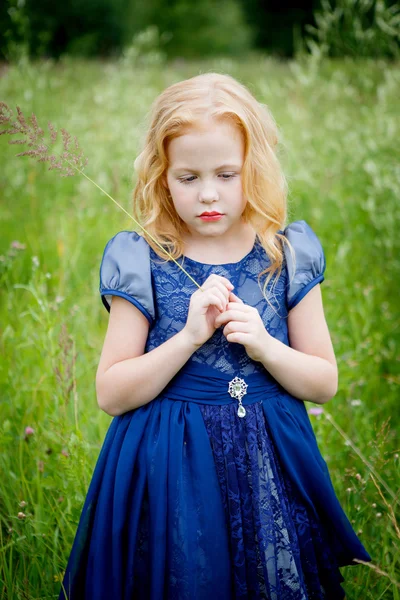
{"points": [[186, 29], [329, 72]]}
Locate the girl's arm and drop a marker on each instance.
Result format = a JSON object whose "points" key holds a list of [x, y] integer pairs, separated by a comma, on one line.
{"points": [[307, 368], [127, 378]]}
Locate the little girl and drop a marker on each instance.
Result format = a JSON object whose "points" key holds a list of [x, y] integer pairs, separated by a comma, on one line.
{"points": [[210, 484]]}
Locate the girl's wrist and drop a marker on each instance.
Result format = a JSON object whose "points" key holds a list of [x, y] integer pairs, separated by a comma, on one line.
{"points": [[188, 340], [268, 350]]}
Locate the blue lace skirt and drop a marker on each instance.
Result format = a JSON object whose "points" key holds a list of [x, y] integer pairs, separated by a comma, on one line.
{"points": [[189, 501]]}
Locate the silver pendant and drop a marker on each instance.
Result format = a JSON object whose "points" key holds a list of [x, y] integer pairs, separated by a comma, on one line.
{"points": [[237, 389], [241, 411]]}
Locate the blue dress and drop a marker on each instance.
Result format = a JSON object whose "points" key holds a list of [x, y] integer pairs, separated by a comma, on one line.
{"points": [[188, 500]]}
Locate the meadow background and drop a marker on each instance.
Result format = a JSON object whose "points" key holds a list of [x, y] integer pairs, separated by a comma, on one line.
{"points": [[339, 122]]}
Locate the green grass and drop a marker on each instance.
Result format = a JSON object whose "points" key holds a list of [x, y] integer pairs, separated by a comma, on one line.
{"points": [[340, 127]]}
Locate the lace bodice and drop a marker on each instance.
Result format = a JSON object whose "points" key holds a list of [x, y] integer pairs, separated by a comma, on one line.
{"points": [[161, 290]]}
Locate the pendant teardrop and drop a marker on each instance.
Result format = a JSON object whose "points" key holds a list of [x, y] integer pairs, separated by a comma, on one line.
{"points": [[241, 411]]}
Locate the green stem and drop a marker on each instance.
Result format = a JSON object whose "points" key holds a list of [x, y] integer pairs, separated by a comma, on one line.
{"points": [[137, 223], [365, 461]]}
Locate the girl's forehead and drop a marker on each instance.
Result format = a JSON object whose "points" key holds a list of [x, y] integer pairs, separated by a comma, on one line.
{"points": [[209, 126], [223, 143]]}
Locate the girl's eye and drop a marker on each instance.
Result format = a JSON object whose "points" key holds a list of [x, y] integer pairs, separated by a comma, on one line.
{"points": [[225, 176]]}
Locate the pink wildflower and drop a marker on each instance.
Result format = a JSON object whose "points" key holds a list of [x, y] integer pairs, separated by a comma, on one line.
{"points": [[317, 410], [16, 244]]}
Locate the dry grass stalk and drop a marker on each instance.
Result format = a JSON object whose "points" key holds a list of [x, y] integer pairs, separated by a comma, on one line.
{"points": [[392, 516], [394, 522], [378, 571], [391, 512], [359, 453], [72, 156]]}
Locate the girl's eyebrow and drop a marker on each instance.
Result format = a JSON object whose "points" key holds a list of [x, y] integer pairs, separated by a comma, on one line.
{"points": [[225, 166]]}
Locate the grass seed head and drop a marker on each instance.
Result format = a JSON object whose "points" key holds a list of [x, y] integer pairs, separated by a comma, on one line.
{"points": [[68, 163]]}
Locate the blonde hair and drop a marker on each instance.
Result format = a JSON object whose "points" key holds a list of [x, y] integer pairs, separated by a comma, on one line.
{"points": [[186, 104]]}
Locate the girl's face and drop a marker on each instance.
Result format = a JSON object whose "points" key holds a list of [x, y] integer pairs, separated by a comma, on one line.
{"points": [[204, 175]]}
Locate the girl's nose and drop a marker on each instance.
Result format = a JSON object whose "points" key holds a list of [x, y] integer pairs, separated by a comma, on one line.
{"points": [[209, 194]]}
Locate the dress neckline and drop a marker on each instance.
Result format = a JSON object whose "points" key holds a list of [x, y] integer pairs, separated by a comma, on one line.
{"points": [[197, 262]]}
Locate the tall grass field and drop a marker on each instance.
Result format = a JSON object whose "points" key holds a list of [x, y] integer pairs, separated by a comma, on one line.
{"points": [[340, 147]]}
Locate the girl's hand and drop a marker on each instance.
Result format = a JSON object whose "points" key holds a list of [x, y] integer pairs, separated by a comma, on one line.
{"points": [[244, 326], [204, 306]]}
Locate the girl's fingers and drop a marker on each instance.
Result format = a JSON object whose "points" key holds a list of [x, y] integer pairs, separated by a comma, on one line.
{"points": [[224, 299], [235, 298], [215, 279], [215, 300], [219, 285], [223, 280], [229, 316], [232, 315], [237, 326], [223, 291]]}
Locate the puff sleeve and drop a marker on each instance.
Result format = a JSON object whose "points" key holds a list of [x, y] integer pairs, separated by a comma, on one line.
{"points": [[310, 261], [125, 271]]}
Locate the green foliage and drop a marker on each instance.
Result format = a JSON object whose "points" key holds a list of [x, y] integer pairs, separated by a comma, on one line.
{"points": [[219, 28], [100, 27], [146, 48], [40, 28], [356, 28], [15, 31], [340, 126]]}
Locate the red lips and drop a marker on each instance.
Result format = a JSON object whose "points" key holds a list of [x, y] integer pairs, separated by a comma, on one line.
{"points": [[209, 214]]}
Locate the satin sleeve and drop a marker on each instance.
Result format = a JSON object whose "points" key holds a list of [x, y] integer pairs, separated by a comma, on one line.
{"points": [[125, 271], [310, 264]]}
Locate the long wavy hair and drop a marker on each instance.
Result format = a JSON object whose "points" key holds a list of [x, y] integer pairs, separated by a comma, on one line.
{"points": [[184, 105]]}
